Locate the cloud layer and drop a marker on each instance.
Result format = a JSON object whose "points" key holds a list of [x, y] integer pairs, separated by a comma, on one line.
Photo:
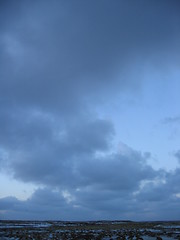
{"points": [[61, 63]]}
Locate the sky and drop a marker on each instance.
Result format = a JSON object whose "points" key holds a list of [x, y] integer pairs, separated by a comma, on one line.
{"points": [[89, 110]]}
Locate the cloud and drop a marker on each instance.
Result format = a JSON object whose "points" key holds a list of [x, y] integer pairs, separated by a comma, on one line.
{"points": [[172, 120], [76, 50], [156, 200], [95, 186], [36, 207], [177, 155], [61, 63], [50, 159]]}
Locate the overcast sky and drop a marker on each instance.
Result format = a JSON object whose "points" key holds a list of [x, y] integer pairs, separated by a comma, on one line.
{"points": [[89, 109]]}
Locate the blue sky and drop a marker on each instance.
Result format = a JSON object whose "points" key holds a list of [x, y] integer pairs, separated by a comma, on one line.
{"points": [[89, 110]]}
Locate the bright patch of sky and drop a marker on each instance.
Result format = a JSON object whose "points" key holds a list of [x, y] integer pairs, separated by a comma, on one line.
{"points": [[11, 187], [141, 119]]}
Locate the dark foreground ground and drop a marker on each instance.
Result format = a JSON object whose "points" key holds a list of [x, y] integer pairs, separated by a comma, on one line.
{"points": [[104, 230]]}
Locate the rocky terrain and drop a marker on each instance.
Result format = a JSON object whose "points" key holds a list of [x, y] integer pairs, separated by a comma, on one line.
{"points": [[99, 230]]}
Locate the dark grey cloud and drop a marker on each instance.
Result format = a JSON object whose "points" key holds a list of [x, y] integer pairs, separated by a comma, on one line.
{"points": [[96, 187], [36, 207], [75, 158], [115, 171], [59, 62], [152, 202], [54, 160], [162, 198], [75, 48]]}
